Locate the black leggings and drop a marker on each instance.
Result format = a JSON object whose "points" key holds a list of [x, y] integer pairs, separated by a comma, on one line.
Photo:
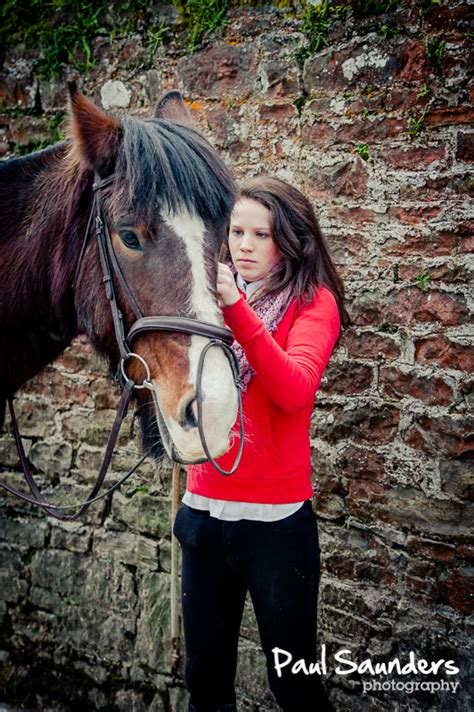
{"points": [[278, 563]]}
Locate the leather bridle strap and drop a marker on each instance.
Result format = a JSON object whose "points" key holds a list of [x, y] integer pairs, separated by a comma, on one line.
{"points": [[182, 324], [53, 509], [105, 252]]}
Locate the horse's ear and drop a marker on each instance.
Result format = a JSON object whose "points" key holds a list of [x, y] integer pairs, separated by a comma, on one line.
{"points": [[95, 134], [172, 107]]}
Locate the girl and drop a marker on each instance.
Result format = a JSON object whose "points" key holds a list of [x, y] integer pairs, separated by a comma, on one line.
{"points": [[255, 530]]}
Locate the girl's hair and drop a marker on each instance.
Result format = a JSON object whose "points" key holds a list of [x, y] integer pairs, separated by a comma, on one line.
{"points": [[306, 263]]}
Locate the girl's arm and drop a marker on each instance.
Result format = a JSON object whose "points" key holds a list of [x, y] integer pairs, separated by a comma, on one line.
{"points": [[291, 376]]}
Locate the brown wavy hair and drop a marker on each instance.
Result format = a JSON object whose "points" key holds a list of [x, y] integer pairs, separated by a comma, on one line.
{"points": [[307, 263]]}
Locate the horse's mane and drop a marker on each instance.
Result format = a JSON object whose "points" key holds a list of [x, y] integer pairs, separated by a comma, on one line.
{"points": [[12, 166], [164, 164], [17, 177]]}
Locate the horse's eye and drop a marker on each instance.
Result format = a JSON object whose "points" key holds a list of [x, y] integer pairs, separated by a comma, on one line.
{"points": [[130, 240]]}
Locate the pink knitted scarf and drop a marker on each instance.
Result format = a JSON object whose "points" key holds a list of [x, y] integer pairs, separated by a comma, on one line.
{"points": [[271, 310]]}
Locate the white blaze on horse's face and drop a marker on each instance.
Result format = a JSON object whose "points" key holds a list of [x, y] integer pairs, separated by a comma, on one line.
{"points": [[219, 395]]}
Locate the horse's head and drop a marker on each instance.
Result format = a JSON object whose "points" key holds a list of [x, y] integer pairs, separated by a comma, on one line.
{"points": [[166, 210]]}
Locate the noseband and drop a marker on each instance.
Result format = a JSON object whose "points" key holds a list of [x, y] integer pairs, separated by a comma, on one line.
{"points": [[219, 337]]}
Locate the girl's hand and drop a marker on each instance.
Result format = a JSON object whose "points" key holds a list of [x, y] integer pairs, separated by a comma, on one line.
{"points": [[226, 286]]}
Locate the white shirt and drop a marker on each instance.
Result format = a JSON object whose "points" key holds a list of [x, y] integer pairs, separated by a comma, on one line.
{"points": [[231, 511], [248, 288]]}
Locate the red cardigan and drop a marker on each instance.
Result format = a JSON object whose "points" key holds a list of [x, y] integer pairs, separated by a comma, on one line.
{"points": [[276, 464]]}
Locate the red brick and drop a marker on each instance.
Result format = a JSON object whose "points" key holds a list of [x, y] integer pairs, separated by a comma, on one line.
{"points": [[370, 344], [414, 157], [345, 626], [464, 233], [421, 244], [428, 549], [59, 388], [320, 106], [371, 101], [361, 492], [431, 390], [441, 350], [276, 121], [371, 130], [326, 482], [346, 250], [459, 587], [318, 133], [462, 184], [105, 396], [348, 378], [420, 579], [465, 146], [219, 71], [414, 215], [361, 463], [77, 356], [448, 272], [325, 71], [372, 424], [410, 304], [349, 215], [401, 97], [281, 78], [409, 64], [447, 19], [440, 435], [422, 588], [375, 573], [433, 185], [460, 238], [367, 308], [281, 113], [449, 116], [410, 509], [457, 478], [465, 550], [339, 565], [346, 178], [352, 598], [224, 124]]}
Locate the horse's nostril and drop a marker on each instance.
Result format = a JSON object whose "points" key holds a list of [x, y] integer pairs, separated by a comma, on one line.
{"points": [[190, 419]]}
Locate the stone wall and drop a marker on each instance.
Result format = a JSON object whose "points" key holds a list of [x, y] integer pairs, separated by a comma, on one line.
{"points": [[375, 128]]}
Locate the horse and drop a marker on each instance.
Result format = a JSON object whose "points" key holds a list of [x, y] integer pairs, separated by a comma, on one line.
{"points": [[165, 197]]}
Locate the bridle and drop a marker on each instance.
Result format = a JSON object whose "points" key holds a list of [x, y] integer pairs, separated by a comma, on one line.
{"points": [[219, 337]]}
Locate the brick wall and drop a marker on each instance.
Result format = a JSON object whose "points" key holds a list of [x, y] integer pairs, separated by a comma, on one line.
{"points": [[377, 131]]}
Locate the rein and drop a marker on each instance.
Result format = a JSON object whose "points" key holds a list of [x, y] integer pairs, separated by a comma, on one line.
{"points": [[220, 337]]}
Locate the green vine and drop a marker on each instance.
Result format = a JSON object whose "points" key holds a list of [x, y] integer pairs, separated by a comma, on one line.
{"points": [[316, 22], [64, 30], [417, 124], [363, 150], [202, 17], [435, 50], [422, 281]]}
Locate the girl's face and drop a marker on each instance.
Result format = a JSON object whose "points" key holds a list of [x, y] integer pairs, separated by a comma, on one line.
{"points": [[252, 248]]}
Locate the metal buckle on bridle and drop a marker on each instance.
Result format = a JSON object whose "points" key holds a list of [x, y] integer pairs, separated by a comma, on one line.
{"points": [[146, 382]]}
